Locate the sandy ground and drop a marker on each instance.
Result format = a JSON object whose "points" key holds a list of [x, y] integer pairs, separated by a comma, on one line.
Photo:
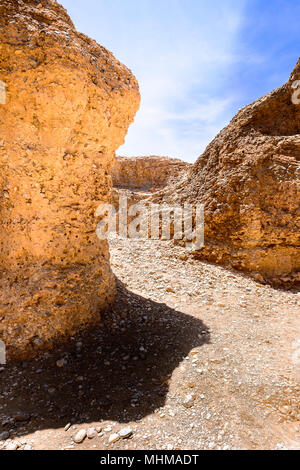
{"points": [[192, 356]]}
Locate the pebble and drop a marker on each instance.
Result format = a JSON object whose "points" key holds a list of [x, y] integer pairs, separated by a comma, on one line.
{"points": [[189, 401], [124, 433], [12, 446], [80, 436], [21, 417], [91, 433], [27, 447], [61, 363], [113, 438], [4, 435], [67, 427], [107, 429]]}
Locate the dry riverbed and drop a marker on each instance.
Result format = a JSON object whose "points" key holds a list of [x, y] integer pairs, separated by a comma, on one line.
{"points": [[192, 356]]}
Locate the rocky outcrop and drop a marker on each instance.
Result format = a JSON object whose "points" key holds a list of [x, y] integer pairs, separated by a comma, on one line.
{"points": [[147, 173], [69, 103], [248, 179]]}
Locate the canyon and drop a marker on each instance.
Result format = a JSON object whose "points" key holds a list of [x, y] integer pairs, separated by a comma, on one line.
{"points": [[120, 343]]}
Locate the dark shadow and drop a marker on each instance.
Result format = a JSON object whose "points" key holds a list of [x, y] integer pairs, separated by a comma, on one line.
{"points": [[121, 373]]}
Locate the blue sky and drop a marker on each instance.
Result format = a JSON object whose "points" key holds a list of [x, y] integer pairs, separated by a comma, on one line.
{"points": [[197, 62]]}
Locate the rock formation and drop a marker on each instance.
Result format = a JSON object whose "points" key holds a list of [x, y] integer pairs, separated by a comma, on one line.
{"points": [[248, 179], [69, 103], [146, 172]]}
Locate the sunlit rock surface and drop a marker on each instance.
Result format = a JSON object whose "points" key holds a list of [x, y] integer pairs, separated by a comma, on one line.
{"points": [[248, 179], [69, 103]]}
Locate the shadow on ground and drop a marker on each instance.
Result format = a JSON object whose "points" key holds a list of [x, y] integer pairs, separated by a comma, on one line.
{"points": [[120, 373]]}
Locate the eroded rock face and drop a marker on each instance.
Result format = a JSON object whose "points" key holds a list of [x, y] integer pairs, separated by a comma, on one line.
{"points": [[69, 103], [248, 179], [146, 172]]}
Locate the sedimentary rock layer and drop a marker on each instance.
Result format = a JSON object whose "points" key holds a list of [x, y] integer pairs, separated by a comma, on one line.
{"points": [[146, 172], [68, 106], [248, 179]]}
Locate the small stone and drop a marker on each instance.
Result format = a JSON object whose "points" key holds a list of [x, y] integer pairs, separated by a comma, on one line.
{"points": [[258, 278], [189, 401], [170, 289], [91, 433], [107, 429], [61, 363], [4, 435], [67, 427], [113, 438], [98, 429], [80, 436], [124, 433], [12, 446], [27, 447], [21, 417]]}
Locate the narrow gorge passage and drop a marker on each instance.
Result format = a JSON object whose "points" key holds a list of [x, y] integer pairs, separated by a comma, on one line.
{"points": [[127, 344], [244, 377], [192, 356]]}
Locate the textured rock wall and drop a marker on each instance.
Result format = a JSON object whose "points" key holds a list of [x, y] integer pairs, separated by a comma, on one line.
{"points": [[69, 103], [146, 172], [248, 179]]}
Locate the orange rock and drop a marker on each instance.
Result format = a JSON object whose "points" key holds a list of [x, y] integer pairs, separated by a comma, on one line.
{"points": [[146, 172], [248, 180], [69, 103]]}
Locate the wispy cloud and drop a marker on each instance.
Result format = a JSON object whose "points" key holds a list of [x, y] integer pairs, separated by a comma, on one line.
{"points": [[181, 53], [182, 86]]}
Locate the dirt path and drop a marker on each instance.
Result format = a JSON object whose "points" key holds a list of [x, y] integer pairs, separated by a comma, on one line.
{"points": [[192, 356]]}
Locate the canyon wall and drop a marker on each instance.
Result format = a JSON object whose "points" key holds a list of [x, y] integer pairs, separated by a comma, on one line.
{"points": [[147, 173], [68, 106], [248, 180]]}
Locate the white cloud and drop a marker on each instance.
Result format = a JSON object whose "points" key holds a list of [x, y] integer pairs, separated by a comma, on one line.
{"points": [[181, 53], [183, 106]]}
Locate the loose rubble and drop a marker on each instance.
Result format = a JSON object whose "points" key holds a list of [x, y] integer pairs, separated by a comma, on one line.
{"points": [[221, 342]]}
